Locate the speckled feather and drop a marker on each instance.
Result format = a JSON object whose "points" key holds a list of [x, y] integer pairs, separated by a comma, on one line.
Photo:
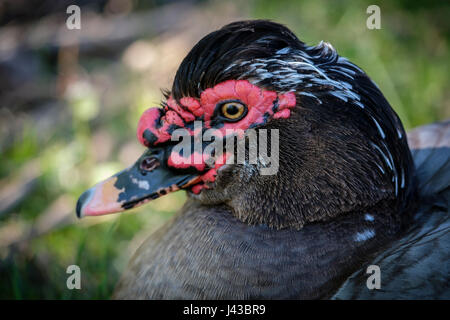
{"points": [[417, 266]]}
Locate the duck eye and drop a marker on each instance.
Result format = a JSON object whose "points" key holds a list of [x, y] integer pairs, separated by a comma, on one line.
{"points": [[233, 110]]}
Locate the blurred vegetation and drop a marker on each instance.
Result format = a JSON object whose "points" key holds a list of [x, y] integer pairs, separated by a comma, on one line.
{"points": [[69, 105]]}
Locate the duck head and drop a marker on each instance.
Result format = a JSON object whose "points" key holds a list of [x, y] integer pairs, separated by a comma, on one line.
{"points": [[336, 145]]}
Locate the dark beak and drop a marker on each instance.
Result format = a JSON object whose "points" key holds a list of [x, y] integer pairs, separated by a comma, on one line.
{"points": [[148, 179]]}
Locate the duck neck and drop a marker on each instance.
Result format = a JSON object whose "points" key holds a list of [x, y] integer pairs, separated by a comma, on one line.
{"points": [[318, 257]]}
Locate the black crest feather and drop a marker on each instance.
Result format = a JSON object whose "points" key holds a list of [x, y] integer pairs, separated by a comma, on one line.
{"points": [[205, 64]]}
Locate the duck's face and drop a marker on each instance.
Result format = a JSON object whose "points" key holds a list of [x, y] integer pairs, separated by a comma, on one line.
{"points": [[180, 151], [341, 146]]}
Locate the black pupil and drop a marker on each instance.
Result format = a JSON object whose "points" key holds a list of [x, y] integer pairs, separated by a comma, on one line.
{"points": [[232, 109]]}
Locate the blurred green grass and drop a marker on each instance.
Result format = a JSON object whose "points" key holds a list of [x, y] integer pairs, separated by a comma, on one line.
{"points": [[408, 58]]}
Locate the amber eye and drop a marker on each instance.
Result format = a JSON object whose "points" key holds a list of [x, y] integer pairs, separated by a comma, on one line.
{"points": [[233, 110]]}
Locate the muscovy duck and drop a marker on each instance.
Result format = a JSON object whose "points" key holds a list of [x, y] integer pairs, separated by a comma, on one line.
{"points": [[346, 194]]}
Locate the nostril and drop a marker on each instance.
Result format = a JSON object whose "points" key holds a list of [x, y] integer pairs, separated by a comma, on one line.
{"points": [[149, 164]]}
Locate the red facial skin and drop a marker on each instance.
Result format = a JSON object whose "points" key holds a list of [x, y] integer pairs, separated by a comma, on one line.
{"points": [[260, 104]]}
